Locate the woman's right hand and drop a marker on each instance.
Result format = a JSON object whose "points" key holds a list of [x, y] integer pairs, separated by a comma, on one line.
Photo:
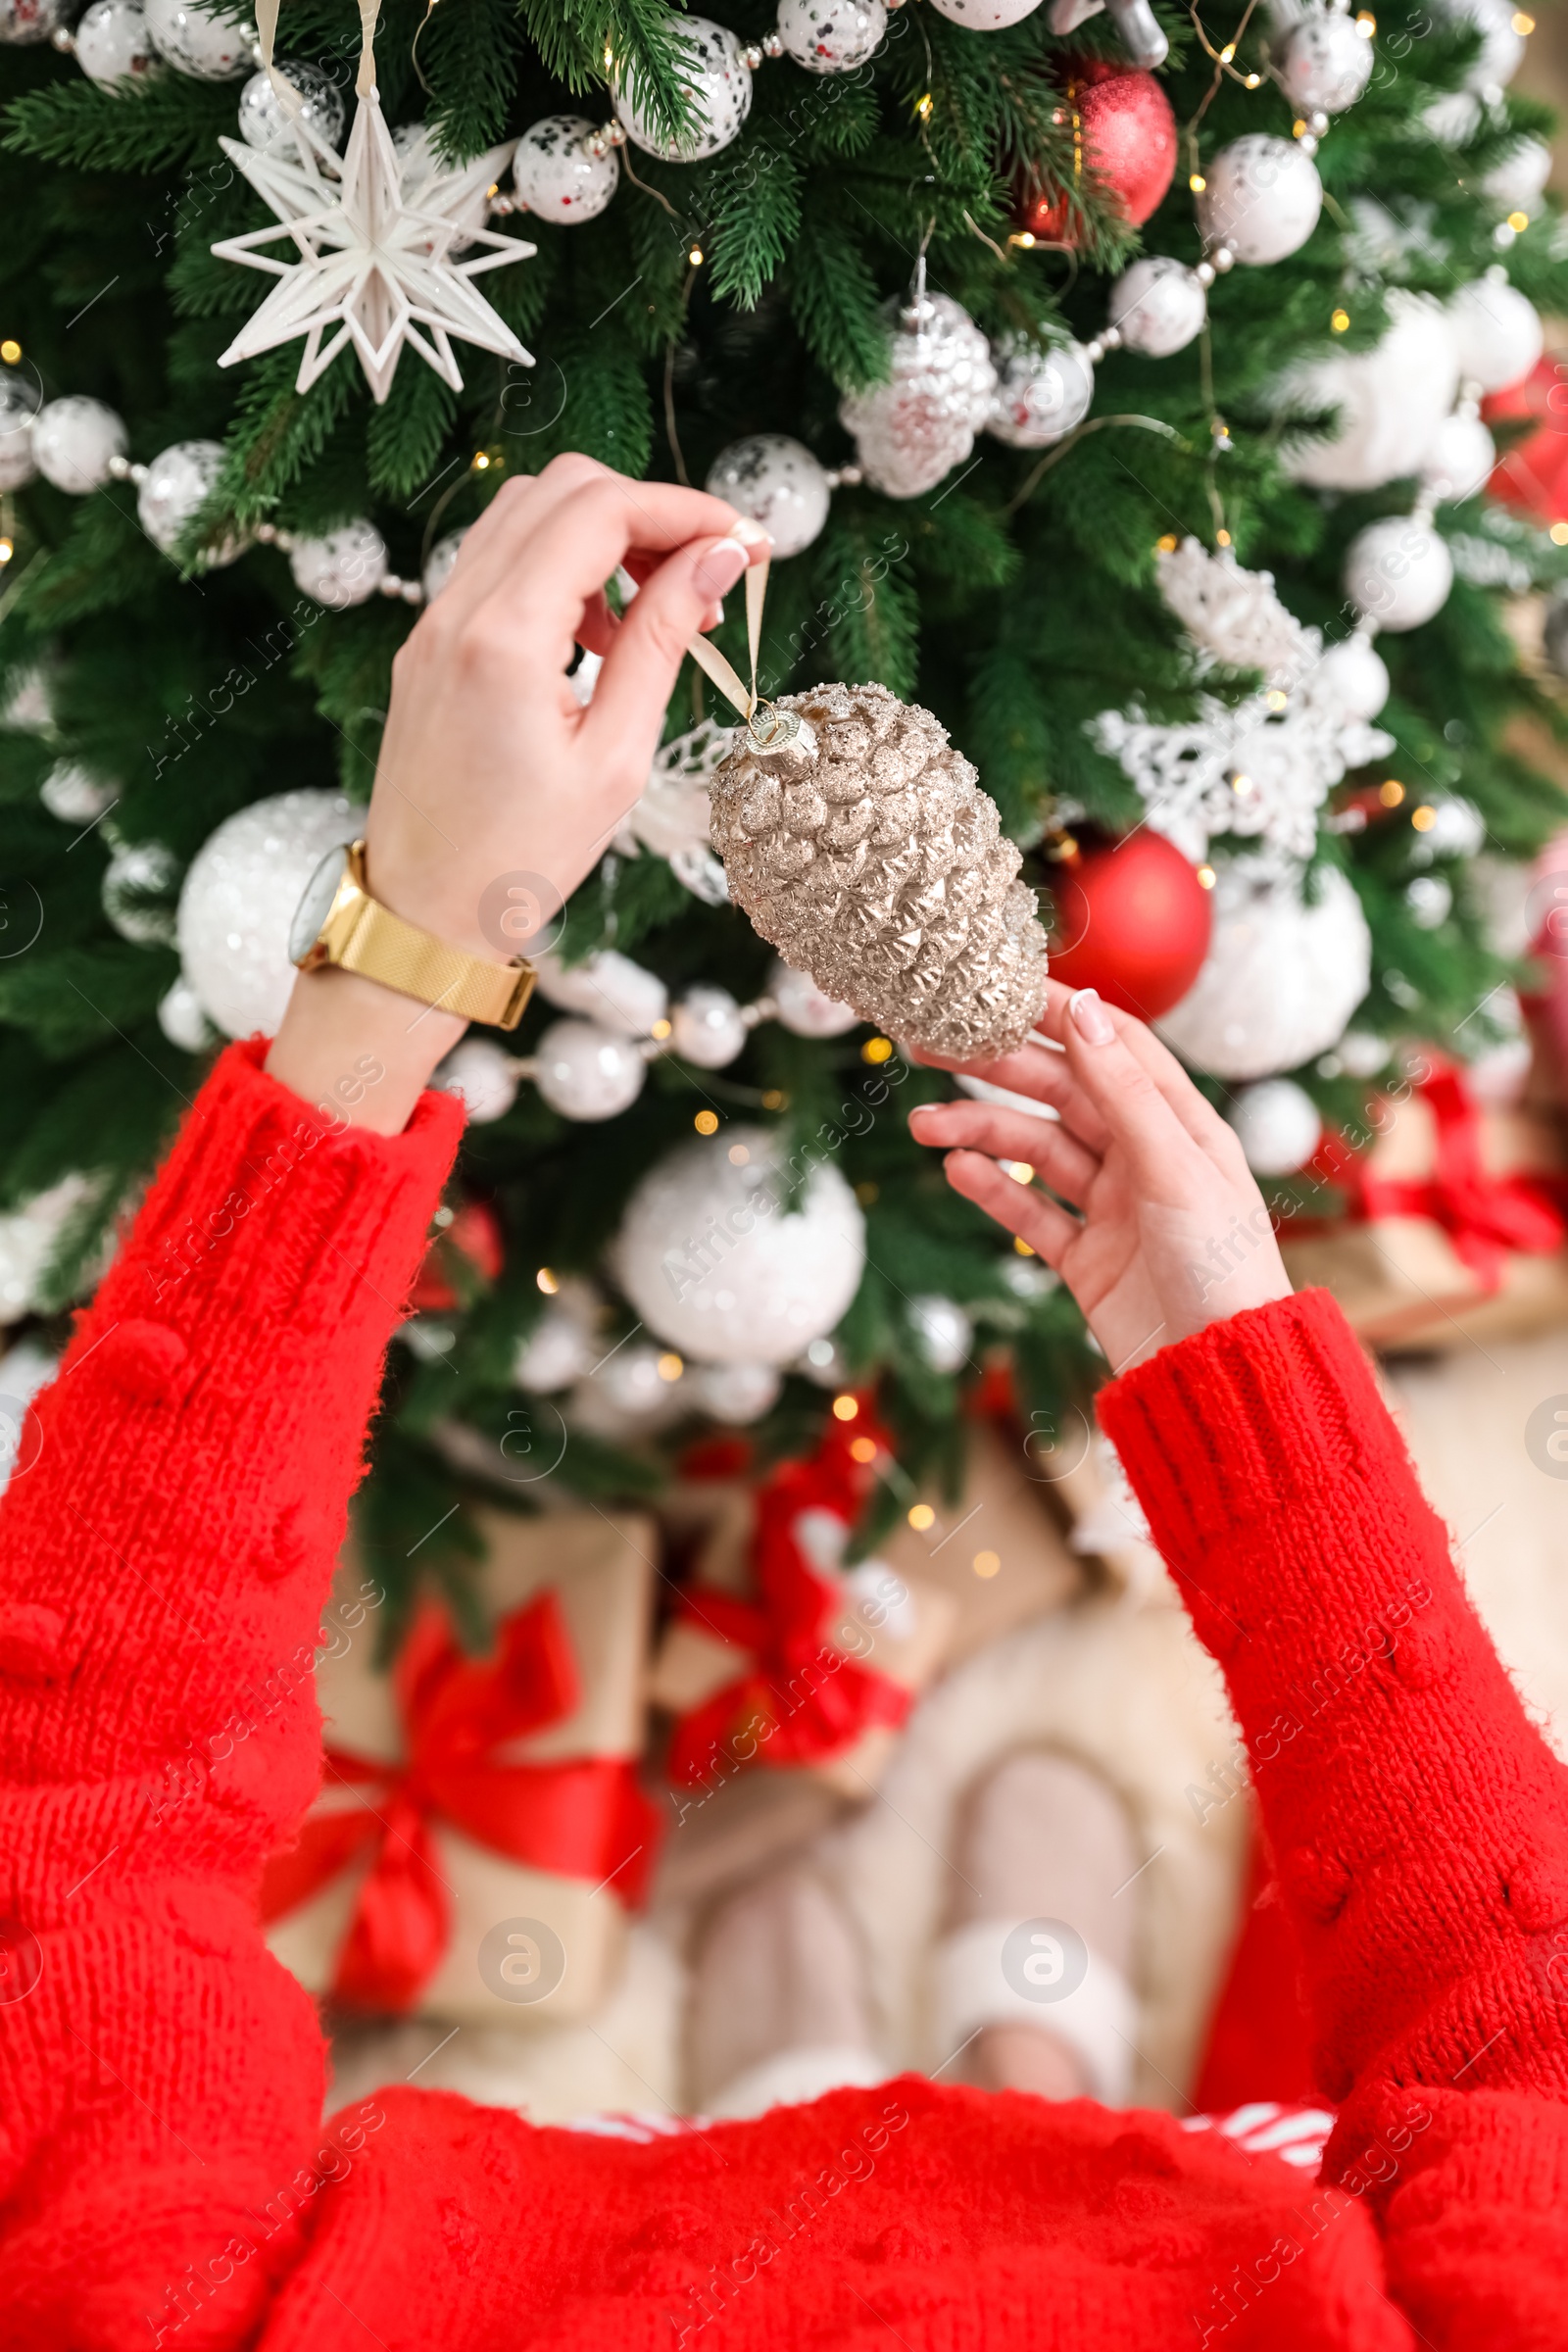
{"points": [[1171, 1232]]}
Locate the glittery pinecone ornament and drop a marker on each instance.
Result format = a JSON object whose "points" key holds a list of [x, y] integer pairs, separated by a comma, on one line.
{"points": [[863, 847], [914, 428]]}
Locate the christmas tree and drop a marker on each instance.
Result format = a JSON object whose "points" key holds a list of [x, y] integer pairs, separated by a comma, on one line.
{"points": [[1073, 324]]}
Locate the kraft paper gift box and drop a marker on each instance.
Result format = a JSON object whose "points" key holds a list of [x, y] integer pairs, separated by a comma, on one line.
{"points": [[1455, 1229], [481, 1832]]}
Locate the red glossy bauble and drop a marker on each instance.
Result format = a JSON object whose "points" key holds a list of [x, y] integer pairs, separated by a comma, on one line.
{"points": [[1126, 141], [462, 1259], [1534, 476], [1133, 920]]}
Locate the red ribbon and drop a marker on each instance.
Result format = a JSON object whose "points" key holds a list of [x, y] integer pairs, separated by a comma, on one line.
{"points": [[799, 1700], [1488, 1218], [582, 1818]]}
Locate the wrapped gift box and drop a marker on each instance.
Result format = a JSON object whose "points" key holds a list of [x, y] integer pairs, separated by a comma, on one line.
{"points": [[481, 1832], [1456, 1227], [813, 1666]]}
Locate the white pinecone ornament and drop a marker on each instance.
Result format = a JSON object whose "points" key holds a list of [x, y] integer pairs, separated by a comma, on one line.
{"points": [[862, 847]]}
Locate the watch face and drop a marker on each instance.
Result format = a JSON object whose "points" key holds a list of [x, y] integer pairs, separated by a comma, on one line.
{"points": [[316, 905]]}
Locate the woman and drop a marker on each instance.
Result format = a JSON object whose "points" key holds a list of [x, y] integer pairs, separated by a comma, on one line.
{"points": [[164, 2177]]}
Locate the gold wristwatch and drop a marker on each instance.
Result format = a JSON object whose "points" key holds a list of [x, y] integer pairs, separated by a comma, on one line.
{"points": [[338, 921]]}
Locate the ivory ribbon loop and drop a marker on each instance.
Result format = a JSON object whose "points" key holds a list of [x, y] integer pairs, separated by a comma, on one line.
{"points": [[707, 656], [289, 97]]}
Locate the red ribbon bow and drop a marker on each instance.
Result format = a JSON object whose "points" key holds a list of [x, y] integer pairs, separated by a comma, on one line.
{"points": [[799, 1700], [1488, 1218], [582, 1818]]}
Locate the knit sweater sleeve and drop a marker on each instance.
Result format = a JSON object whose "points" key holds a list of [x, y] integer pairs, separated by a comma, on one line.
{"points": [[162, 1565], [1418, 1821]]}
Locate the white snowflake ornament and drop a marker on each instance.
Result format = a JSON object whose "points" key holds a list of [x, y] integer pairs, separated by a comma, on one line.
{"points": [[375, 246]]}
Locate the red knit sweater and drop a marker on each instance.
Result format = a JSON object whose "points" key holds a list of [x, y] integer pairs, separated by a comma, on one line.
{"points": [[164, 2176]]}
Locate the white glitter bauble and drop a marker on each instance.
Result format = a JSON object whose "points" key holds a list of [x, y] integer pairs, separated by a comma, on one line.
{"points": [[587, 1072], [481, 1076], [607, 988], [555, 176], [1397, 573], [18, 405], [439, 562], [25, 21], [1518, 183], [343, 567], [239, 902], [735, 1264], [264, 121], [735, 1393], [1361, 1054], [1262, 198], [200, 41], [75, 797], [1430, 899], [72, 442], [1281, 978], [831, 36], [1391, 400], [1158, 307], [633, 1391], [707, 1028], [717, 83], [1353, 676], [802, 1007], [1039, 394], [183, 1021], [1277, 1124], [986, 15], [915, 427], [1502, 48], [1459, 458], [562, 1347], [137, 875], [172, 490], [778, 483], [1498, 334], [1326, 64], [112, 42], [943, 1331], [1457, 830]]}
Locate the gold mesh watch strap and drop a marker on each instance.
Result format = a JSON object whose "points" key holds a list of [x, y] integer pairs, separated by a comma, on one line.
{"points": [[370, 938]]}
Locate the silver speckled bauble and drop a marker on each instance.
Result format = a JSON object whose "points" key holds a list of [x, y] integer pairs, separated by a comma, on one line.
{"points": [[239, 899], [986, 15], [1041, 395], [440, 563], [734, 1261], [802, 1007], [112, 42], [183, 1021], [1397, 573], [1497, 332], [25, 21], [1353, 676], [1280, 979], [1278, 1125], [1325, 64], [943, 1331], [342, 568], [585, 1071], [916, 426], [831, 36], [1459, 458], [482, 1076], [707, 1029], [736, 1394], [173, 491], [207, 43], [74, 795], [1262, 198], [72, 442], [877, 866], [265, 121], [717, 83], [778, 483], [554, 175], [138, 876], [630, 1393], [18, 405], [1158, 307]]}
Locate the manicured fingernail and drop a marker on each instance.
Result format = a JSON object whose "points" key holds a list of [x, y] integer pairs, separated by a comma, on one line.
{"points": [[721, 567], [1090, 1017], [752, 534]]}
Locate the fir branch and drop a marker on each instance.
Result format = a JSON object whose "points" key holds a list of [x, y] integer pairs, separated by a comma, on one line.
{"points": [[152, 125], [407, 433], [467, 53]]}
